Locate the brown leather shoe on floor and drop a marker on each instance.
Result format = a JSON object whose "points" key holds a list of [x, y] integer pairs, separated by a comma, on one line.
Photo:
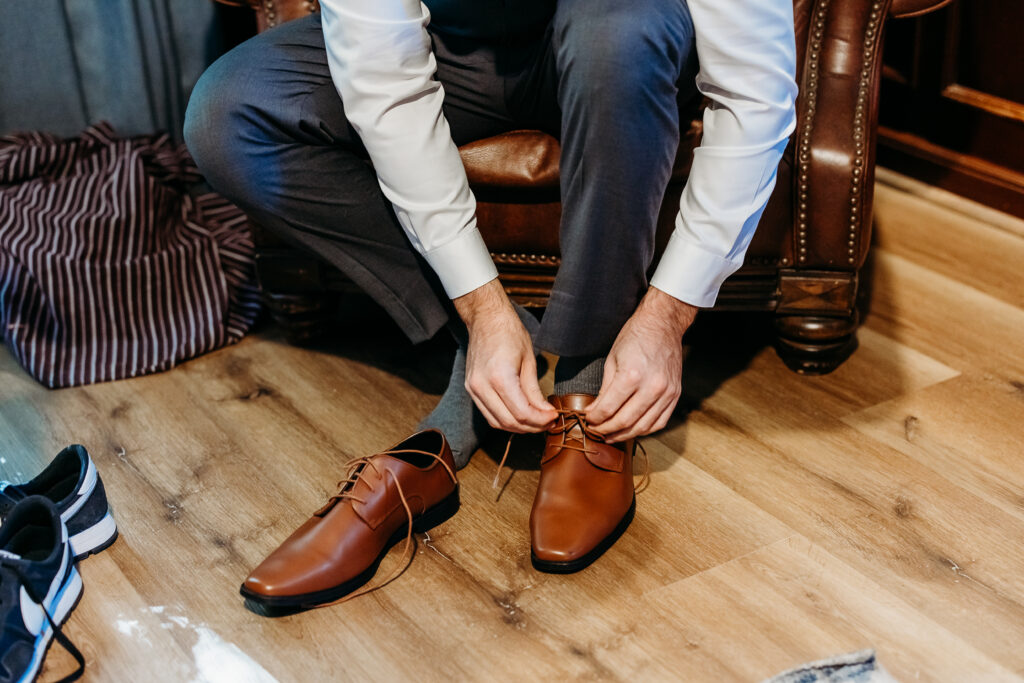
{"points": [[386, 497], [585, 497]]}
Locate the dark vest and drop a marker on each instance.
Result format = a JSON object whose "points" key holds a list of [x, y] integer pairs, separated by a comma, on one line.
{"points": [[491, 20]]}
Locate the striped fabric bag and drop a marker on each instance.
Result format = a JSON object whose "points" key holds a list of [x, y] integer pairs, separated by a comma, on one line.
{"points": [[109, 268]]}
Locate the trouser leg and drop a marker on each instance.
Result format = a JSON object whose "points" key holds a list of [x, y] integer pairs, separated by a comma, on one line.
{"points": [[268, 130], [618, 67]]}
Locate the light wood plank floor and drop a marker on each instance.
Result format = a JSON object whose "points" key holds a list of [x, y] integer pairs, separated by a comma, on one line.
{"points": [[788, 519]]}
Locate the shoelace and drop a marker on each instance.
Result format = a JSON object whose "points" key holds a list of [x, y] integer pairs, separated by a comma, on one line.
{"points": [[356, 468], [566, 421], [58, 634]]}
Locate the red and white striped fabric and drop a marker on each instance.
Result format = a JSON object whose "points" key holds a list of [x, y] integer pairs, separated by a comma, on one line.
{"points": [[108, 267]]}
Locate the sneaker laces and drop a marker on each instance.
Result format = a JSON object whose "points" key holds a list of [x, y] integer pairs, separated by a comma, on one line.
{"points": [[356, 468], [566, 421], [58, 634]]}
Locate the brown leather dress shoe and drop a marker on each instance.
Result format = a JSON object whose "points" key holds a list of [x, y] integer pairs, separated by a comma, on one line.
{"points": [[408, 488], [585, 498]]}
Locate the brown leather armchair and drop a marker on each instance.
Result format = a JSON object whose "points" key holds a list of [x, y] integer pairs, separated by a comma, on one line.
{"points": [[812, 241]]}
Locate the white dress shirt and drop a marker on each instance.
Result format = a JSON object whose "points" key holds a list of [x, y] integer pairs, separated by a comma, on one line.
{"points": [[381, 62]]}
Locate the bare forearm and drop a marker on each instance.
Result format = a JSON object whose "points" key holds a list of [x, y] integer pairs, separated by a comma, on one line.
{"points": [[671, 316], [484, 305]]}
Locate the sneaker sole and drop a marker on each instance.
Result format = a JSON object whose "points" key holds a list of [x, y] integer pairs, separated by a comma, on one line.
{"points": [[96, 538], [283, 605], [572, 566], [63, 603]]}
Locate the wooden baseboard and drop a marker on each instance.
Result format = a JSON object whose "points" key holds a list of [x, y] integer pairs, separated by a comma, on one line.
{"points": [[965, 175]]}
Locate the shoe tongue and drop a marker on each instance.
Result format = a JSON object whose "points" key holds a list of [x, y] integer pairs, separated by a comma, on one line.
{"points": [[571, 401]]}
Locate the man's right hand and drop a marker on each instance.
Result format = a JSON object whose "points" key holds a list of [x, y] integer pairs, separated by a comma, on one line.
{"points": [[501, 369]]}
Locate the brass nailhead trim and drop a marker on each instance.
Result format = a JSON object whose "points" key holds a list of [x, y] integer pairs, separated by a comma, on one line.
{"points": [[803, 154], [525, 259], [859, 129]]}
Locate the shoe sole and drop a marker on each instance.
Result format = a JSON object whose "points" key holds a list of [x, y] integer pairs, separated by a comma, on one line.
{"points": [[63, 603], [572, 566], [96, 538], [283, 605]]}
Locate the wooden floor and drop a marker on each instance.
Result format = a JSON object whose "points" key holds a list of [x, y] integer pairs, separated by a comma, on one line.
{"points": [[788, 519]]}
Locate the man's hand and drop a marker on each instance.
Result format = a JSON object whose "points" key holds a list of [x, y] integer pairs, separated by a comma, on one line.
{"points": [[501, 369], [643, 372]]}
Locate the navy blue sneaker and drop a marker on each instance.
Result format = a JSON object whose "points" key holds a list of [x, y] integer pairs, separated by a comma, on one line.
{"points": [[39, 586], [72, 483]]}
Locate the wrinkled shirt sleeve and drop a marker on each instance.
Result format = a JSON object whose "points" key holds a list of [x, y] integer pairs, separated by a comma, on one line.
{"points": [[747, 57], [382, 64]]}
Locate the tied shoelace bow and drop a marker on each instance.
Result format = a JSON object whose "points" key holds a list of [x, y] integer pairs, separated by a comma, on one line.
{"points": [[58, 634], [567, 421], [346, 486]]}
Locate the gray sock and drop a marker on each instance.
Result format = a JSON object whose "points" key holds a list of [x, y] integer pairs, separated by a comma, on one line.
{"points": [[455, 414], [579, 375]]}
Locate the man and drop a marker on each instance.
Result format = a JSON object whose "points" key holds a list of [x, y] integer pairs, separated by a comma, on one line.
{"points": [[267, 127]]}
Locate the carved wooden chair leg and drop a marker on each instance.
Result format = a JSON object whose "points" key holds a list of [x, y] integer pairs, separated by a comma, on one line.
{"points": [[815, 344]]}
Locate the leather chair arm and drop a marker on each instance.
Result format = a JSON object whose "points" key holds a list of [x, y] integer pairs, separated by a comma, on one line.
{"points": [[837, 128], [901, 9], [515, 160]]}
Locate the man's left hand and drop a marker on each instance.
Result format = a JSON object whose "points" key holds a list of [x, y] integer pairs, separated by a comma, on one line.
{"points": [[643, 371]]}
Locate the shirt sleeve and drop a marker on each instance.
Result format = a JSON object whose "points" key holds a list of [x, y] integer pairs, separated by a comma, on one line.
{"points": [[747, 55], [382, 64]]}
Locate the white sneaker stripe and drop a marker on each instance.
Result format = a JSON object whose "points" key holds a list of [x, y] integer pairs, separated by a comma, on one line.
{"points": [[84, 491]]}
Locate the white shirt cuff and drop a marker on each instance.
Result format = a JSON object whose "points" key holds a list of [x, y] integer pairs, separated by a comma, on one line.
{"points": [[690, 273], [463, 264]]}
